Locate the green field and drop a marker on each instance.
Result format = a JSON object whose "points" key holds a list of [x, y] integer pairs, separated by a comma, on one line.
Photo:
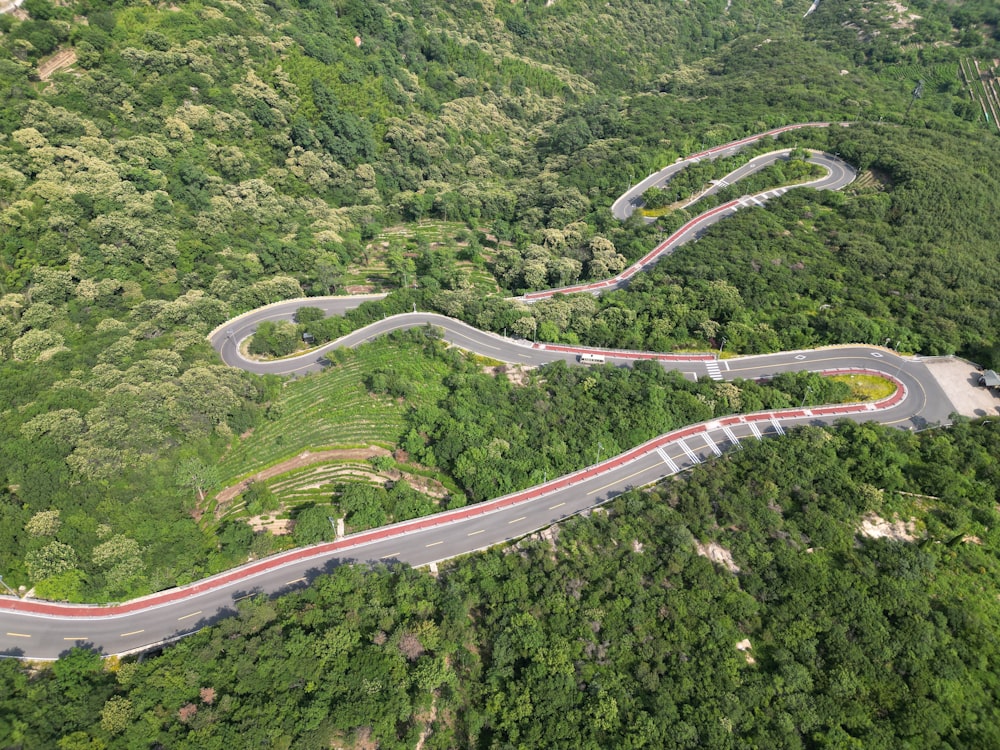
{"points": [[866, 387], [334, 409]]}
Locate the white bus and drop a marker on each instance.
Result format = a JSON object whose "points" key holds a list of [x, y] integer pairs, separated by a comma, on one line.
{"points": [[591, 359]]}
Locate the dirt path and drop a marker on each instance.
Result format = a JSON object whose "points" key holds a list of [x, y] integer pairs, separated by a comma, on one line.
{"points": [[307, 458], [58, 61]]}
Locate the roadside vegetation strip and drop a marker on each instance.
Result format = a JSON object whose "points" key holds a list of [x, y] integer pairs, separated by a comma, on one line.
{"points": [[866, 387]]}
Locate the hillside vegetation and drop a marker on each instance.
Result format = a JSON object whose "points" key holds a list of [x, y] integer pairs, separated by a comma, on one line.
{"points": [[808, 632], [200, 159]]}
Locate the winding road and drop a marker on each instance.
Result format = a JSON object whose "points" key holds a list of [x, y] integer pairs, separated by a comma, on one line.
{"points": [[43, 630]]}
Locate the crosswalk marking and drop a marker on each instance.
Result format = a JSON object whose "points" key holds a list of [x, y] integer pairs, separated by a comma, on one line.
{"points": [[668, 460], [688, 452], [713, 445], [714, 372], [731, 435], [755, 430], [777, 427]]}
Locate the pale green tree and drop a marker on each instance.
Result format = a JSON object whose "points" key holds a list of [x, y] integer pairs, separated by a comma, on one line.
{"points": [[116, 714]]}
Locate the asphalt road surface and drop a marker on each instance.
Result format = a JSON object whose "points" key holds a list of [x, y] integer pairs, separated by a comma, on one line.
{"points": [[631, 199], [44, 630]]}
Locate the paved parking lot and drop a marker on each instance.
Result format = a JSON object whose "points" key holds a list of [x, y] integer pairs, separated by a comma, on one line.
{"points": [[960, 380]]}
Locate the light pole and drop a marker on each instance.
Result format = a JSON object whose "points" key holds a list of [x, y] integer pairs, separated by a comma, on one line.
{"points": [[805, 396], [12, 592], [599, 446], [722, 346]]}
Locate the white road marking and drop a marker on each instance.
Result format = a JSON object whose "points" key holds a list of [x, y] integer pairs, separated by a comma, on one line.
{"points": [[473, 533], [557, 505], [434, 544], [712, 444], [391, 554], [668, 460], [193, 614], [731, 435], [77, 638], [688, 452], [517, 519], [619, 481], [134, 632], [297, 580], [755, 430], [19, 635]]}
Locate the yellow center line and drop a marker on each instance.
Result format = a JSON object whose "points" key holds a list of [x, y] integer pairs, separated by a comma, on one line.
{"points": [[473, 533], [190, 615], [617, 481], [391, 554], [435, 544], [517, 519], [297, 580], [77, 638], [19, 635], [237, 599], [134, 632], [557, 505]]}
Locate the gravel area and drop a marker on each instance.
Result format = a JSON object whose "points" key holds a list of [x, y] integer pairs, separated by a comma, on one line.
{"points": [[960, 381]]}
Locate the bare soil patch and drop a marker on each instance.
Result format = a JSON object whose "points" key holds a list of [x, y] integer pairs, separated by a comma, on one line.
{"points": [[276, 526], [905, 19], [717, 554], [875, 527], [58, 61], [516, 374], [745, 647]]}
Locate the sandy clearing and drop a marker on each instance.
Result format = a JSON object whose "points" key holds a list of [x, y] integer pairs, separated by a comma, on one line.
{"points": [[874, 526], [717, 554]]}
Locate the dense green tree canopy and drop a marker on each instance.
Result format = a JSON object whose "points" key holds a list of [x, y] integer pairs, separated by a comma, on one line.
{"points": [[805, 632]]}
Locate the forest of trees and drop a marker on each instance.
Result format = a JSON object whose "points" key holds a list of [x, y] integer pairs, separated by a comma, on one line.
{"points": [[200, 161], [620, 633]]}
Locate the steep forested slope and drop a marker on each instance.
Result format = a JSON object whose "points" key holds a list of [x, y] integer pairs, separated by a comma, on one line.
{"points": [[203, 158], [806, 633]]}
